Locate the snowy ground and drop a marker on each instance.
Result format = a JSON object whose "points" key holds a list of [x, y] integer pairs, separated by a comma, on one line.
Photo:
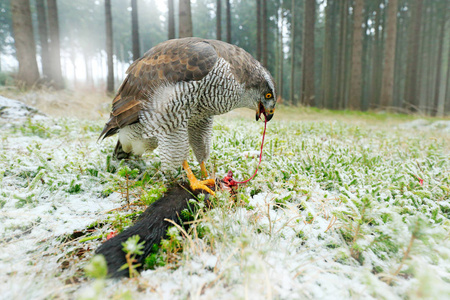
{"points": [[337, 211]]}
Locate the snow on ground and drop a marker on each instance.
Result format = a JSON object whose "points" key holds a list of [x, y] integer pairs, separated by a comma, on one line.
{"points": [[421, 124], [13, 111], [337, 211]]}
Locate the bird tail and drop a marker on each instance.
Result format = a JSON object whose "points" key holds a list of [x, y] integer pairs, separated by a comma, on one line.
{"points": [[109, 129], [151, 228]]}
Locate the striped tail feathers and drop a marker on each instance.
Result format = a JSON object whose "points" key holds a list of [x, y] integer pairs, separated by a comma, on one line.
{"points": [[110, 129]]}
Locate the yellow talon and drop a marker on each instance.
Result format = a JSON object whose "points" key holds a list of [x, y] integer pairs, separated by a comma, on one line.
{"points": [[195, 183], [210, 182]]}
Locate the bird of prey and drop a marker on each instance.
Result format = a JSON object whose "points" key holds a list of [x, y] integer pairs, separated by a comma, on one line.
{"points": [[171, 94]]}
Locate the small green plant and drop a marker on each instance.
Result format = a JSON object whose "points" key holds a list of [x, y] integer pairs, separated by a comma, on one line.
{"points": [[132, 247], [120, 222], [110, 166], [153, 194], [356, 224], [24, 200], [97, 267], [154, 259], [128, 174], [171, 246], [418, 228], [167, 252], [74, 188]]}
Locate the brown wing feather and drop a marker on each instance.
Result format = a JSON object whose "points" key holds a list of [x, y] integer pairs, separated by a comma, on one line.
{"points": [[173, 61]]}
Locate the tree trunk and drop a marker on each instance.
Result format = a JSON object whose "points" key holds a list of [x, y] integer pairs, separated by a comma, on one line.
{"points": [[347, 61], [219, 20], [334, 63], [135, 30], [387, 86], [185, 18], [24, 42], [258, 30], [264, 32], [375, 59], [340, 91], [308, 53], [54, 46], [438, 107], [424, 68], [367, 40], [411, 99], [109, 47], [122, 58], [228, 7], [400, 57], [43, 38], [88, 69], [292, 81], [447, 88], [355, 82], [73, 59], [326, 63], [431, 60], [171, 18], [281, 55]]}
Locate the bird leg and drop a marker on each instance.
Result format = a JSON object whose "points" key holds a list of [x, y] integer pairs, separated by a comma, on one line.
{"points": [[203, 170], [194, 182]]}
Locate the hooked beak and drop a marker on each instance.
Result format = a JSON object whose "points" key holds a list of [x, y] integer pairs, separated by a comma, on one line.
{"points": [[268, 114]]}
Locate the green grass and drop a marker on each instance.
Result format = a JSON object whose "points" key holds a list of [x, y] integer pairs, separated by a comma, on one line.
{"points": [[337, 208]]}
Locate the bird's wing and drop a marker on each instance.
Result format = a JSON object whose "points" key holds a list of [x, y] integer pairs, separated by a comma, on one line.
{"points": [[173, 61]]}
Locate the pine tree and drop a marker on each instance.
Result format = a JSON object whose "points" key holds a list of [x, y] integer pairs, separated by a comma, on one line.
{"points": [[308, 53], [24, 42], [264, 33], [411, 90], [219, 20], [228, 8], [185, 19], [341, 79], [171, 29], [292, 79], [258, 30], [43, 38], [356, 71], [387, 86], [109, 47], [135, 30], [55, 49], [438, 105]]}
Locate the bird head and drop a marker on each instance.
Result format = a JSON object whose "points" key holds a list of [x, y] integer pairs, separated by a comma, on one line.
{"points": [[267, 98], [266, 106]]}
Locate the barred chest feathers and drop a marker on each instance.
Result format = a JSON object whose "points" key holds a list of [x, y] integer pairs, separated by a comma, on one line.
{"points": [[217, 93]]}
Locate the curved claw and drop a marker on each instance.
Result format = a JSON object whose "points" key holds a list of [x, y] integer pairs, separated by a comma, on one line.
{"points": [[197, 184]]}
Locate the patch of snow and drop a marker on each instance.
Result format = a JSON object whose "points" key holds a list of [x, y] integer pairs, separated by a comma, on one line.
{"points": [[16, 111], [422, 124]]}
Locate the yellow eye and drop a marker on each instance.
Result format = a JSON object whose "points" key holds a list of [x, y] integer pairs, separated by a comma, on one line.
{"points": [[268, 95]]}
